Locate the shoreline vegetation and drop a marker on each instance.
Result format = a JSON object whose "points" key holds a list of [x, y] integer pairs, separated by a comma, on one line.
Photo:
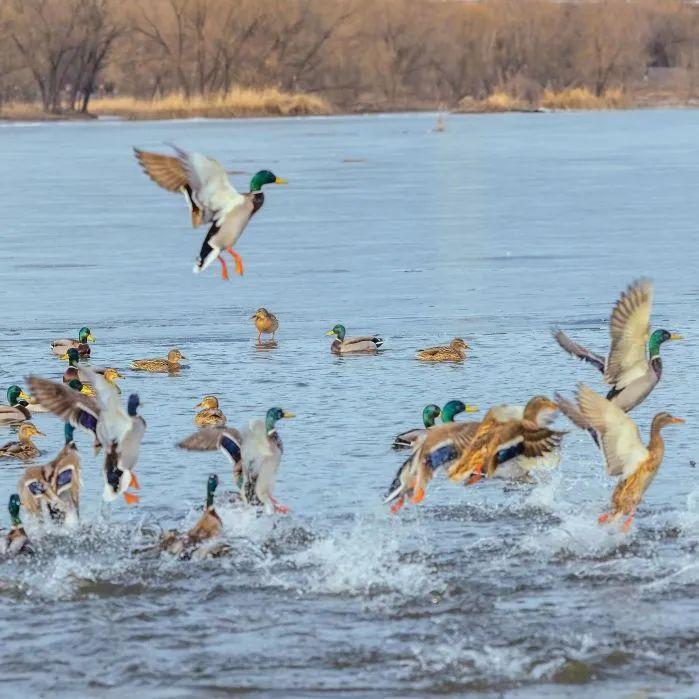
{"points": [[272, 102]]}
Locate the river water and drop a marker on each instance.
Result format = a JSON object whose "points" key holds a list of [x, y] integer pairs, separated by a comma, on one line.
{"points": [[494, 230]]}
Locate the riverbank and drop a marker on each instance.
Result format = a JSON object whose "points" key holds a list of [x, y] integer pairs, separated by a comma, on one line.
{"points": [[271, 102]]}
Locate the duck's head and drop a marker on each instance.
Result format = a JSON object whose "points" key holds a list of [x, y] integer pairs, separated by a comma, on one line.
{"points": [[274, 415], [13, 507], [540, 410], [72, 355], [79, 386], [458, 344], [174, 355], [658, 337], [16, 395], [454, 407], [260, 314], [430, 413], [211, 486], [27, 430], [85, 335], [111, 375], [69, 433], [207, 402], [664, 419], [338, 331], [263, 177], [132, 404]]}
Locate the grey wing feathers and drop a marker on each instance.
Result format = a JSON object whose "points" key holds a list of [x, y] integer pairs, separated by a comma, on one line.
{"points": [[207, 438], [571, 411], [60, 399], [578, 351]]}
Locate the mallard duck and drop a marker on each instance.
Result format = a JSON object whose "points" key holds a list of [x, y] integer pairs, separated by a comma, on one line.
{"points": [[24, 449], [455, 351], [18, 408], [211, 199], [429, 415], [261, 454], [171, 364], [119, 432], [60, 347], [55, 487], [199, 542], [226, 439], [210, 413], [624, 453], [345, 345], [633, 366], [501, 432], [16, 540], [265, 322], [78, 370]]}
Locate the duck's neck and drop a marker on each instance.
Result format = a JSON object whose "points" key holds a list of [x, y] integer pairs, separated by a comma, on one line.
{"points": [[656, 445], [656, 364]]}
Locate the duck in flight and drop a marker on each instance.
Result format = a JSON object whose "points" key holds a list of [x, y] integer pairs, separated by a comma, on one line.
{"points": [[211, 198]]}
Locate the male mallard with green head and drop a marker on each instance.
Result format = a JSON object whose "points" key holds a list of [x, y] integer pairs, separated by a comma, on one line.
{"points": [[347, 345], [429, 415], [60, 347], [211, 199], [16, 540], [79, 371], [633, 366], [18, 408]]}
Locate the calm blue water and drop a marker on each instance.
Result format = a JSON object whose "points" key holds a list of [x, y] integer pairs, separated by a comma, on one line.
{"points": [[494, 230]]}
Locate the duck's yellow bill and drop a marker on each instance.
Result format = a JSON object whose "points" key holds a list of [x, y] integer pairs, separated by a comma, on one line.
{"points": [[471, 409], [25, 396], [288, 415], [677, 420], [281, 180], [87, 391], [330, 332], [676, 336], [64, 357], [90, 338]]}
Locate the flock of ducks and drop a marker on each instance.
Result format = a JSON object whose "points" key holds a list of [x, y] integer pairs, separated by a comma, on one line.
{"points": [[510, 441]]}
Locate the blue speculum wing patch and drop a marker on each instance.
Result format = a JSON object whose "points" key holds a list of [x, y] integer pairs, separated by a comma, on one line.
{"points": [[87, 420], [64, 478], [509, 453], [230, 447], [441, 456], [35, 488]]}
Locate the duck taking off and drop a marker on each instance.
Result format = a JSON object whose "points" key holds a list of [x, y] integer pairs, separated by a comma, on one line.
{"points": [[211, 198], [633, 366], [624, 453]]}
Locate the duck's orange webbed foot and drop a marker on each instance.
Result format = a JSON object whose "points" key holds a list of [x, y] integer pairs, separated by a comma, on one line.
{"points": [[396, 506], [418, 495], [130, 498], [134, 482], [238, 261], [224, 269], [474, 479], [278, 507], [627, 524], [603, 519]]}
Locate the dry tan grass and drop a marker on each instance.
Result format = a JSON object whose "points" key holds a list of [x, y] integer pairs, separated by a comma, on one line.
{"points": [[239, 102], [582, 98]]}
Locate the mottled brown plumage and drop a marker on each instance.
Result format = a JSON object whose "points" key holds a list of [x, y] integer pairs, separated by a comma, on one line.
{"points": [[455, 351], [171, 364], [24, 449], [210, 413], [265, 322]]}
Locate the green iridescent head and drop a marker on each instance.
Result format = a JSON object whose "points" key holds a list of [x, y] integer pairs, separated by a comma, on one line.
{"points": [[211, 486], [15, 396], [85, 335], [274, 415], [454, 407], [73, 356], [657, 338], [263, 177], [430, 413], [339, 332], [13, 507]]}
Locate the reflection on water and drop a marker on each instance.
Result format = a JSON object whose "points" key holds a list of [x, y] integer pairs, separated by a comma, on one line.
{"points": [[493, 231]]}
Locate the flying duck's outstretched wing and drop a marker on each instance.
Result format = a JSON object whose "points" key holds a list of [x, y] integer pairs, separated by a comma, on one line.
{"points": [[630, 329], [578, 351], [165, 170]]}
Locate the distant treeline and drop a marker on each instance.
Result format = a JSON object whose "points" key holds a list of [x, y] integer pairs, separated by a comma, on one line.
{"points": [[358, 54]]}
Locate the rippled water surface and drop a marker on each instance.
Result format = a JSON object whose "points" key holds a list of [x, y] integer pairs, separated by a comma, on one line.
{"points": [[494, 230]]}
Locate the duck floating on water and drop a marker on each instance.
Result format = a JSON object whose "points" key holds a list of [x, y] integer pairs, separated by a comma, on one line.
{"points": [[60, 347], [455, 351], [24, 449], [17, 409], [211, 199], [210, 414], [170, 365], [16, 542], [347, 345]]}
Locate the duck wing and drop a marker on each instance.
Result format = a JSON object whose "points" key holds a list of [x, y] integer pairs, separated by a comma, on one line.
{"points": [[69, 405], [578, 351], [166, 171], [621, 441], [630, 329]]}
